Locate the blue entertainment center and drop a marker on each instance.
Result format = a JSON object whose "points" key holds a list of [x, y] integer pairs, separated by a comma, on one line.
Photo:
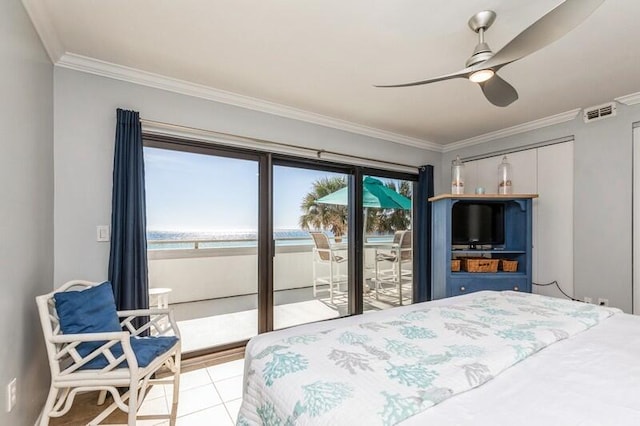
{"points": [[479, 228]]}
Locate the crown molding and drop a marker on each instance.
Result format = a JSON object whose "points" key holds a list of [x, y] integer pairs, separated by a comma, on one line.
{"points": [[40, 17], [145, 78], [631, 99], [514, 130]]}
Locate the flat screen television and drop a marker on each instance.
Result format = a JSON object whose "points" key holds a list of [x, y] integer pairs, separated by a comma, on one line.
{"points": [[476, 223]]}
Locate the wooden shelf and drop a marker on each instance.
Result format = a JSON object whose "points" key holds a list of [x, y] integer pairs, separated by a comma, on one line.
{"points": [[483, 196]]}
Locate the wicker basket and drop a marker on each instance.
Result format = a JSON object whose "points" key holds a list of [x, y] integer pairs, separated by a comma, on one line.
{"points": [[508, 265], [479, 264], [455, 265]]}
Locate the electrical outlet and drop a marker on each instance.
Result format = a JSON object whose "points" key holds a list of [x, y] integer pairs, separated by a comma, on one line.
{"points": [[588, 300], [12, 395], [603, 302]]}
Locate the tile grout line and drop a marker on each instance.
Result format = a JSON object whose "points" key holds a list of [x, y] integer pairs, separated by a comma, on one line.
{"points": [[233, 421], [229, 412]]}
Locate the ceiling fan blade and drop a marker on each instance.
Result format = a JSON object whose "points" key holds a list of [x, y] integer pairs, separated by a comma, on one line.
{"points": [[499, 92], [459, 74], [552, 26]]}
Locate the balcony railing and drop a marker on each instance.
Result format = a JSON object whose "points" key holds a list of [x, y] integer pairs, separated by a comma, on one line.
{"points": [[210, 269], [197, 244]]}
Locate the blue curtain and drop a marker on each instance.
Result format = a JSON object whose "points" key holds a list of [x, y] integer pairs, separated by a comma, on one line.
{"points": [[128, 257], [422, 246]]}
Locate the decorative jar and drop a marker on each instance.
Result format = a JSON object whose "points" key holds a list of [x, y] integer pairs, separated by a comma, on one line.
{"points": [[457, 176], [505, 185]]}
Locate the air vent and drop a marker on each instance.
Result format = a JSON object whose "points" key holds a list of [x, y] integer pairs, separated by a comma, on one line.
{"points": [[599, 112]]}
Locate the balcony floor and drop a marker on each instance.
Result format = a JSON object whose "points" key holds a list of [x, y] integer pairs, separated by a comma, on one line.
{"points": [[215, 322]]}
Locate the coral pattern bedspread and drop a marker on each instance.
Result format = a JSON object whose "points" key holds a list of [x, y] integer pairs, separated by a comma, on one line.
{"points": [[391, 366]]}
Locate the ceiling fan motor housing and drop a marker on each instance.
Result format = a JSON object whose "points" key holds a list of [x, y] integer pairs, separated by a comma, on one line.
{"points": [[481, 53]]}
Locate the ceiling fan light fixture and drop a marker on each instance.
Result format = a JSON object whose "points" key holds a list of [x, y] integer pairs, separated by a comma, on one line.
{"points": [[481, 76]]}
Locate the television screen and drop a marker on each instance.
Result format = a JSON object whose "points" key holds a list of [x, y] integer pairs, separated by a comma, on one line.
{"points": [[475, 223]]}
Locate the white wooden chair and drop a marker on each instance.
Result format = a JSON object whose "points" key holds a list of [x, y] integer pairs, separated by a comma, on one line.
{"points": [[325, 255], [68, 377], [401, 253]]}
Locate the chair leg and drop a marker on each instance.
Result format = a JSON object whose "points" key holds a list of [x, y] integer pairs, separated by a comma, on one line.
{"points": [[48, 405], [376, 283], [331, 280], [102, 396], [176, 390], [133, 403], [315, 279], [400, 281]]}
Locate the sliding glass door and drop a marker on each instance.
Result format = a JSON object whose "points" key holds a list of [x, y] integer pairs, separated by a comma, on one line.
{"points": [[202, 229], [388, 242], [311, 262]]}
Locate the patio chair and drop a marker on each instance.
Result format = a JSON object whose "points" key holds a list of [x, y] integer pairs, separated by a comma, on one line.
{"points": [[324, 254], [400, 254], [89, 351]]}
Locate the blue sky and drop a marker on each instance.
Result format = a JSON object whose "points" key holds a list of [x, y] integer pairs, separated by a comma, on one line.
{"points": [[196, 192]]}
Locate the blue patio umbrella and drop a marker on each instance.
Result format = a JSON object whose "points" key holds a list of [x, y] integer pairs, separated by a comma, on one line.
{"points": [[375, 194]]}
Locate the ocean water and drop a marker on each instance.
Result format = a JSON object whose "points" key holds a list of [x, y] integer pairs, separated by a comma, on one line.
{"points": [[215, 239], [172, 240]]}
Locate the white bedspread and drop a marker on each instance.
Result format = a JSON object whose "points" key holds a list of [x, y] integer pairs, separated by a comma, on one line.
{"points": [[387, 367]]}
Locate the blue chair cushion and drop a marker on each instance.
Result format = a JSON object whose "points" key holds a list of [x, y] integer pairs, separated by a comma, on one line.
{"points": [[146, 350], [93, 310]]}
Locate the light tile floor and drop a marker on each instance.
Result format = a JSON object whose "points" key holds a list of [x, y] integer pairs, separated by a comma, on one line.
{"points": [[209, 396]]}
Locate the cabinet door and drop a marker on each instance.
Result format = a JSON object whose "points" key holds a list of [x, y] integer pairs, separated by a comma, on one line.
{"points": [[554, 228]]}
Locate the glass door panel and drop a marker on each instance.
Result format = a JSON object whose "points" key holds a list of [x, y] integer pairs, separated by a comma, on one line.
{"points": [[202, 222], [311, 262], [388, 248]]}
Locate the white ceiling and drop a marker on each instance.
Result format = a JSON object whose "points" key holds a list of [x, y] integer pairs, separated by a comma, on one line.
{"points": [[324, 56]]}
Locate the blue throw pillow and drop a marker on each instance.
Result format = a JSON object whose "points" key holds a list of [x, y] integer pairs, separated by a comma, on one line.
{"points": [[92, 310]]}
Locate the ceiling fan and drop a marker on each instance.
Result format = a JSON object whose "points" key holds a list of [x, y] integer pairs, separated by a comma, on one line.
{"points": [[483, 65]]}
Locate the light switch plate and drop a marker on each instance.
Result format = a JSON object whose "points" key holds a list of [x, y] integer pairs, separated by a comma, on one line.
{"points": [[103, 233]]}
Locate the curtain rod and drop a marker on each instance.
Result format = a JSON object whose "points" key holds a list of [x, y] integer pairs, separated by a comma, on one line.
{"points": [[162, 128]]}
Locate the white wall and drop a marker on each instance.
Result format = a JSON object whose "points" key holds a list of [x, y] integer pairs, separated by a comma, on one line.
{"points": [[26, 210], [602, 199], [636, 220], [84, 127]]}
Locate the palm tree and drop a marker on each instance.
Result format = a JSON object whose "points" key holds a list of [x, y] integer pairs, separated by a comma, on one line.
{"points": [[328, 217], [391, 220]]}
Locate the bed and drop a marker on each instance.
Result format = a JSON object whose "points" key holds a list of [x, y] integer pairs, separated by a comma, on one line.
{"points": [[486, 358]]}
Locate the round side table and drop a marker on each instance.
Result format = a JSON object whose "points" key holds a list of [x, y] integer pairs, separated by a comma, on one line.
{"points": [[159, 297]]}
